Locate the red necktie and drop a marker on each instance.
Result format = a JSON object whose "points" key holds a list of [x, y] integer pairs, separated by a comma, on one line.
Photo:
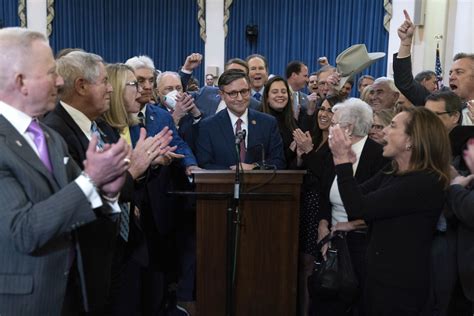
{"points": [[238, 128]]}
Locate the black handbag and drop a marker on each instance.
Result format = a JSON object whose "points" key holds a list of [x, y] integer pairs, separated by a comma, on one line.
{"points": [[334, 278]]}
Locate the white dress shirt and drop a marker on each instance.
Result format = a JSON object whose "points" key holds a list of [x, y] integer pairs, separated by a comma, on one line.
{"points": [[338, 211], [243, 126]]}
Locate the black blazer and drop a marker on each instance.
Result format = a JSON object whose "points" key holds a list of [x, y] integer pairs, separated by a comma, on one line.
{"points": [[95, 242], [408, 86], [371, 161], [461, 228], [402, 211]]}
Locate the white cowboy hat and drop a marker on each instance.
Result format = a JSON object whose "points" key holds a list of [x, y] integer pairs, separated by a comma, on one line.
{"points": [[353, 60]]}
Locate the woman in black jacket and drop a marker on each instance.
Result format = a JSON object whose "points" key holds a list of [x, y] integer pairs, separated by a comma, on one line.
{"points": [[401, 206]]}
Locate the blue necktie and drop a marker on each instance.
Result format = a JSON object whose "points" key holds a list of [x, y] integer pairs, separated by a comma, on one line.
{"points": [[257, 96], [95, 130]]}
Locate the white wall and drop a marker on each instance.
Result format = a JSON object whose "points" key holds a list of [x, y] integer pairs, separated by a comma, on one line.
{"points": [[214, 52], [36, 15]]}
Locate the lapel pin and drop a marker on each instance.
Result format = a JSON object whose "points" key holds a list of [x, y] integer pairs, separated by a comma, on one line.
{"points": [[19, 143], [152, 118], [254, 122]]}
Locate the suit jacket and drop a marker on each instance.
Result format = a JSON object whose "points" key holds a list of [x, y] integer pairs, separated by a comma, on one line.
{"points": [[215, 145], [155, 120], [371, 162], [408, 86], [461, 204], [95, 242], [207, 100], [38, 212]]}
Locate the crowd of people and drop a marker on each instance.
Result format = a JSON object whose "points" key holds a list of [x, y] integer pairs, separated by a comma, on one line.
{"points": [[89, 151]]}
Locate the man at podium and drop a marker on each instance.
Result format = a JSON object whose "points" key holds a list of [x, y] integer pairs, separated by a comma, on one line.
{"points": [[239, 134]]}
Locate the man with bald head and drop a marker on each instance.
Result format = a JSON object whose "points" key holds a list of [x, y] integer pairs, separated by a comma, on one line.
{"points": [[44, 195]]}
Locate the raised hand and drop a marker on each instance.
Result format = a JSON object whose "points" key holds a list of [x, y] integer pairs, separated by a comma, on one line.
{"points": [[304, 142], [406, 30], [341, 145], [192, 61]]}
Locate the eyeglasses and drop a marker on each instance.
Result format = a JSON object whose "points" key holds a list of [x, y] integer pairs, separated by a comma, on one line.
{"points": [[441, 113], [377, 127], [233, 94], [133, 83]]}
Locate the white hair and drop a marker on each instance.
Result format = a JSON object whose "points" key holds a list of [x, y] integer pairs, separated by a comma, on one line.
{"points": [[15, 47], [166, 73], [356, 111], [78, 64], [389, 82], [142, 61]]}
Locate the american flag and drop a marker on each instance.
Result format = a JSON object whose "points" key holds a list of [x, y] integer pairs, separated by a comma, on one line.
{"points": [[438, 70]]}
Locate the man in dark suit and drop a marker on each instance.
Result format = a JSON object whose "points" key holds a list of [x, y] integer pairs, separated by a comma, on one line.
{"points": [[215, 145], [44, 194], [297, 76], [461, 204], [167, 212], [84, 97]]}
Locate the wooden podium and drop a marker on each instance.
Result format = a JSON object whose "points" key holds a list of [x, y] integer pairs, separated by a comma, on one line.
{"points": [[267, 252]]}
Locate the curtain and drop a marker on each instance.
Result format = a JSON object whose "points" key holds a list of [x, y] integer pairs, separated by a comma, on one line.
{"points": [[307, 29], [9, 13], [165, 30]]}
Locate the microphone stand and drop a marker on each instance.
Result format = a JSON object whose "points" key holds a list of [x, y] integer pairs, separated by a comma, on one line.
{"points": [[233, 222]]}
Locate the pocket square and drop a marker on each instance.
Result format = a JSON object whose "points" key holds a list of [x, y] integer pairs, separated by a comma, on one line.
{"points": [[66, 159]]}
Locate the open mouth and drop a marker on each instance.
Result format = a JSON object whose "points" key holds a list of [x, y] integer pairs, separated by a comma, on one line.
{"points": [[453, 86]]}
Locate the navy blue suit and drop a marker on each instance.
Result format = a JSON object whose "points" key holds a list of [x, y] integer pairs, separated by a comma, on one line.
{"points": [[155, 120], [207, 99], [215, 145]]}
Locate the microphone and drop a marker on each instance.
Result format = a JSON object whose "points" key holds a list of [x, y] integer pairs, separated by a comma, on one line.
{"points": [[240, 136], [263, 164]]}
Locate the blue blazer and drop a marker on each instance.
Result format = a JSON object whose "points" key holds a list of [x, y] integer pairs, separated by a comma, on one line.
{"points": [[215, 145], [207, 100], [155, 120]]}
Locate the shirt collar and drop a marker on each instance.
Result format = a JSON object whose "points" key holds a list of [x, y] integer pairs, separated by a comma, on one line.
{"points": [[79, 118], [234, 118], [359, 146], [17, 118]]}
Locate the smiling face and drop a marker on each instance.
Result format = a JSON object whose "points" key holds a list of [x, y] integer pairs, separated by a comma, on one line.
{"points": [[325, 115], [299, 80], [461, 78], [278, 96], [40, 80], [384, 97], [238, 104], [258, 73]]}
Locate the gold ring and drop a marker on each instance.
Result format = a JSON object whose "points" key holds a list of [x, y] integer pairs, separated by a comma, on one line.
{"points": [[127, 161]]}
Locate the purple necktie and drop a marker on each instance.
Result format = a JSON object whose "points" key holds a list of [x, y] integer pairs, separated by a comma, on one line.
{"points": [[40, 142], [238, 128]]}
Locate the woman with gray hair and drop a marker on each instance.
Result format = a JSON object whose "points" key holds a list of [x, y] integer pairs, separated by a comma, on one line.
{"points": [[355, 117]]}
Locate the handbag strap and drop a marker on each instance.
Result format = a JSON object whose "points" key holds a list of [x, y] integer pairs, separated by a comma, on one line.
{"points": [[330, 237]]}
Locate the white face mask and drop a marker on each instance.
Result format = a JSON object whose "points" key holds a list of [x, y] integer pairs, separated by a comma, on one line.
{"points": [[170, 99]]}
